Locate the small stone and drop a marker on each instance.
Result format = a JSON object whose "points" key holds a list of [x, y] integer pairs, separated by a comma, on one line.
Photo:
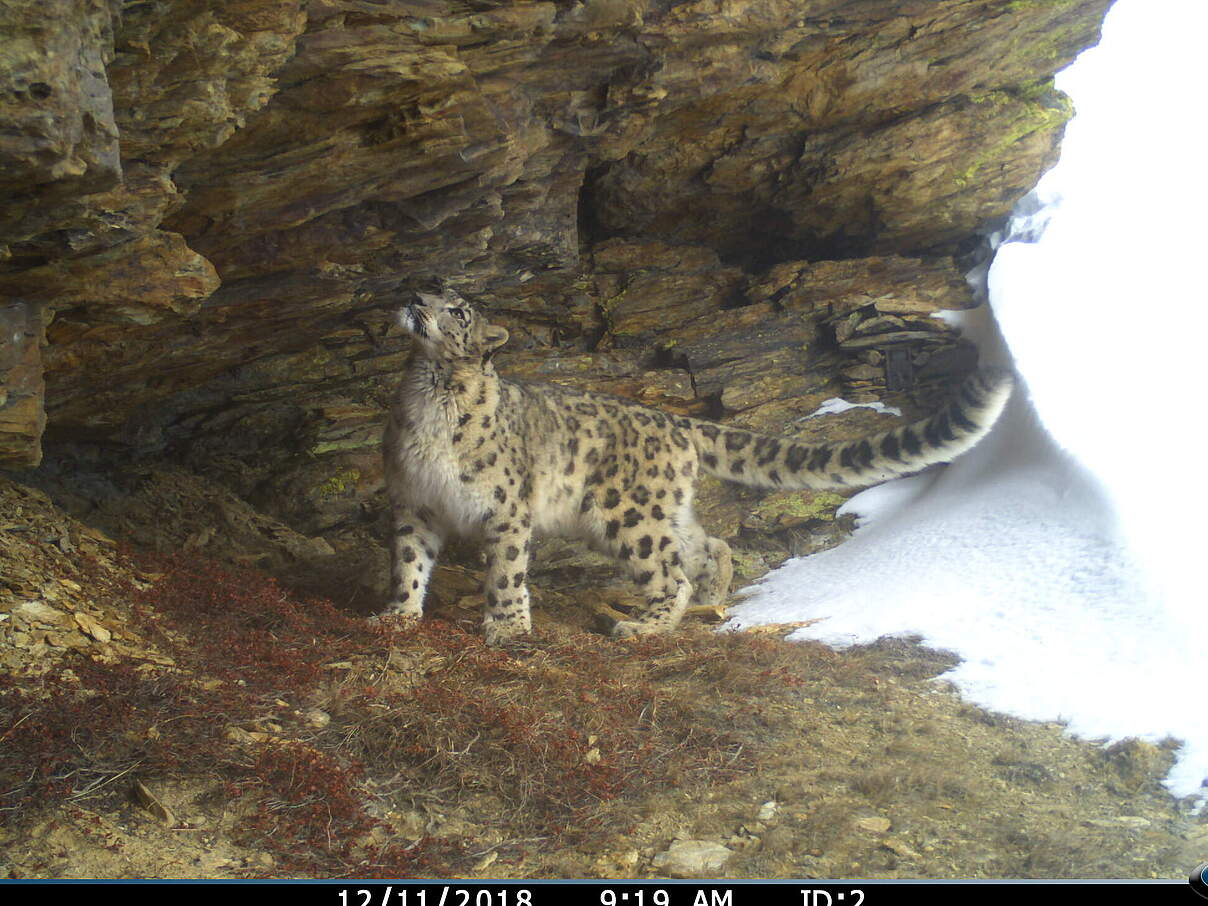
{"points": [[767, 811], [900, 848], [66, 640], [321, 547], [693, 858], [316, 717], [91, 627], [873, 825], [39, 612], [213, 861], [151, 803], [240, 735], [627, 859]]}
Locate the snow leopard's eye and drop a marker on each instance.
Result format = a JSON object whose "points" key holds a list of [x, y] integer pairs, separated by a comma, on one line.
{"points": [[460, 315]]}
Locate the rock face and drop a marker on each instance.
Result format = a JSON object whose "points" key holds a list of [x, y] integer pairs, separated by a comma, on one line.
{"points": [[734, 208]]}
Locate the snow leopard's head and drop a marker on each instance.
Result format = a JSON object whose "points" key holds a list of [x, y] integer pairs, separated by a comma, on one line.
{"points": [[447, 327]]}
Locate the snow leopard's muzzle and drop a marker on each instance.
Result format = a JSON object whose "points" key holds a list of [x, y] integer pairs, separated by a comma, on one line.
{"points": [[414, 319]]}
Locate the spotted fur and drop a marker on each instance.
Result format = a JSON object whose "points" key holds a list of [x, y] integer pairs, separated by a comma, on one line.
{"points": [[468, 453]]}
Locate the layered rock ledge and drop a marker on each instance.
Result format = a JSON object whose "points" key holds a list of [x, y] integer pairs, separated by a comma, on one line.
{"points": [[730, 207]]}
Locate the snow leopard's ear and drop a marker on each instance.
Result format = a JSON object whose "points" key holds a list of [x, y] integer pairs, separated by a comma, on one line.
{"points": [[493, 336]]}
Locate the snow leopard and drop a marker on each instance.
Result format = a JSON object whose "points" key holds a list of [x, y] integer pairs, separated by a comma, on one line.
{"points": [[471, 454]]}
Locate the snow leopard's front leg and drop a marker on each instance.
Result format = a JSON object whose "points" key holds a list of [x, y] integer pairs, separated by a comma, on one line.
{"points": [[414, 545], [506, 611]]}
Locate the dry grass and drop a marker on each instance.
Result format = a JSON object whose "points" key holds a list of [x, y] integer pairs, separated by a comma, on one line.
{"points": [[554, 733], [317, 744]]}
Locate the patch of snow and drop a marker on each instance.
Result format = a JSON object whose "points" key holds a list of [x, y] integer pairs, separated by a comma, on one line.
{"points": [[836, 404], [1062, 557]]}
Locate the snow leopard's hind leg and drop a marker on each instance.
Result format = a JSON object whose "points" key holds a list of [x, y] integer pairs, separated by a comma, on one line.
{"points": [[707, 562], [654, 554]]}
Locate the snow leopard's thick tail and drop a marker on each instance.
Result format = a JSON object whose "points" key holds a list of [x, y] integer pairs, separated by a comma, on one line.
{"points": [[764, 461]]}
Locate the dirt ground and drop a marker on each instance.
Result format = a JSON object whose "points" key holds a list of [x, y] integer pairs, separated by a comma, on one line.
{"points": [[184, 717]]}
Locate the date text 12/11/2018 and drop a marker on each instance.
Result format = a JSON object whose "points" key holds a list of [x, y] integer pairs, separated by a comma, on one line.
{"points": [[436, 895]]}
